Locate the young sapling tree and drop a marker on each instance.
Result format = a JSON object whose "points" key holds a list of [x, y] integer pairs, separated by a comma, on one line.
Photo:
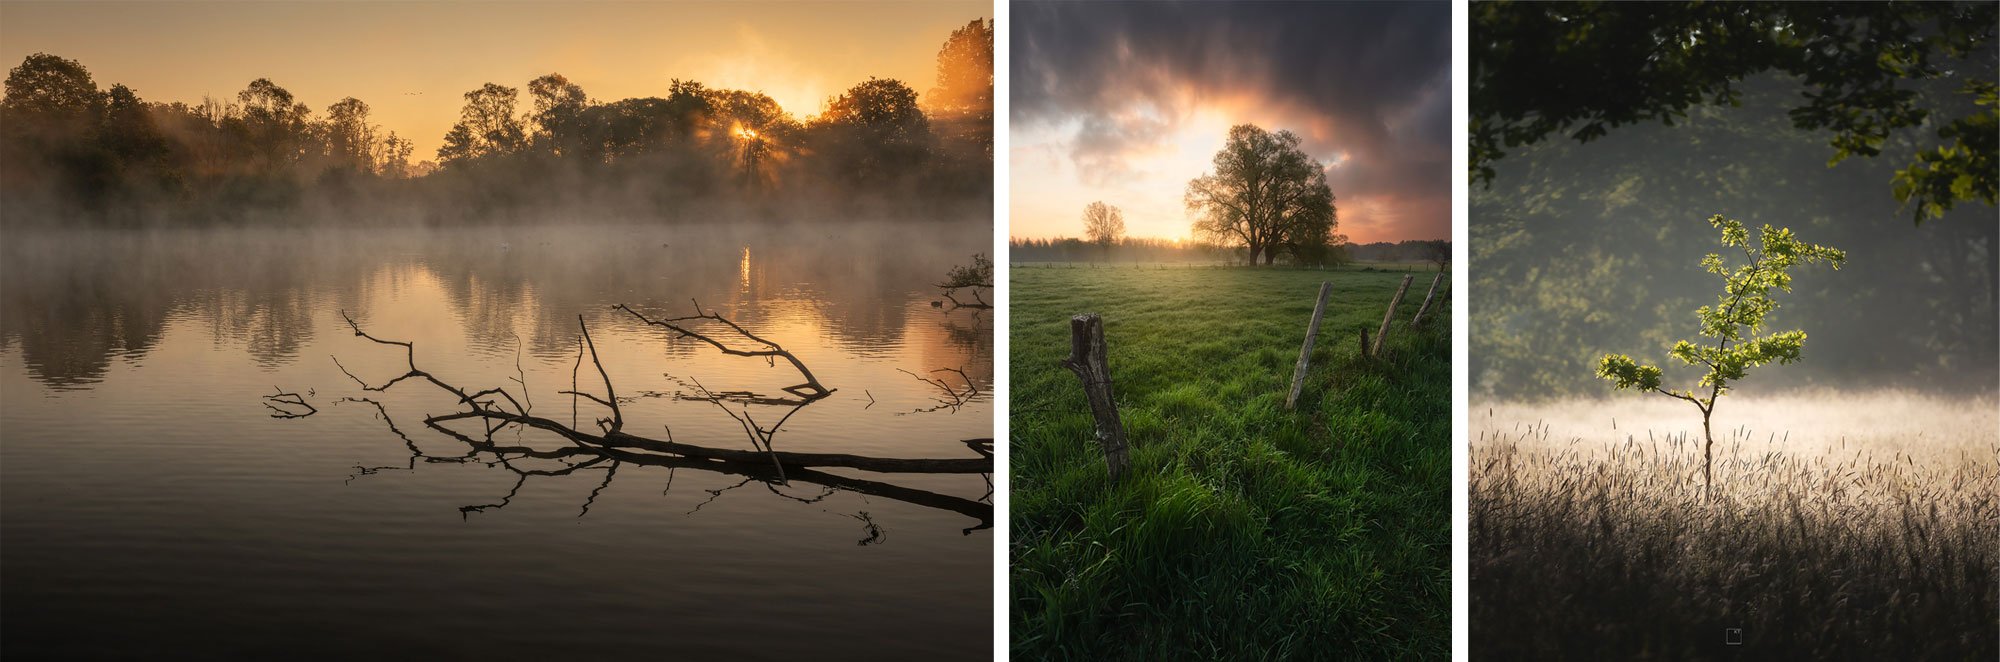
{"points": [[1734, 323]]}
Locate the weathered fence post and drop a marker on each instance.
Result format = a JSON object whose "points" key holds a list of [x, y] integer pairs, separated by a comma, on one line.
{"points": [[1382, 335], [1419, 318], [1305, 353], [1087, 359]]}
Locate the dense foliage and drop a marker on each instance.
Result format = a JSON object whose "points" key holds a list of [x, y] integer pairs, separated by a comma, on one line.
{"points": [[1869, 69], [1266, 195]]}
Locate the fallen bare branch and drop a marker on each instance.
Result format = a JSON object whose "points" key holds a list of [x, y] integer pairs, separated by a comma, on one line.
{"points": [[291, 402], [811, 389]]}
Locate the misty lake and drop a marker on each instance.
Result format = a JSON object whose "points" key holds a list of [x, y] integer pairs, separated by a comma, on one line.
{"points": [[155, 507]]}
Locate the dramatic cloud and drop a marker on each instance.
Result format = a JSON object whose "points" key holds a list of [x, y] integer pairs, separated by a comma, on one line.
{"points": [[1126, 102]]}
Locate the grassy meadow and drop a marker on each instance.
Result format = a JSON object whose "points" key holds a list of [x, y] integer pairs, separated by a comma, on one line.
{"points": [[1241, 530], [1842, 526]]}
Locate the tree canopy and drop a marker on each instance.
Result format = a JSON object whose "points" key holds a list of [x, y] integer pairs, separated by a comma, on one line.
{"points": [[70, 149], [1103, 223], [1869, 70], [1265, 194]]}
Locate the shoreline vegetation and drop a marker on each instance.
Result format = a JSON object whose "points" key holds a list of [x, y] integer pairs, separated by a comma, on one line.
{"points": [[1240, 529], [72, 152]]}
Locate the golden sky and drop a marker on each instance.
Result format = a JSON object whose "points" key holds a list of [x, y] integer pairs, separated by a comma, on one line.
{"points": [[413, 62]]}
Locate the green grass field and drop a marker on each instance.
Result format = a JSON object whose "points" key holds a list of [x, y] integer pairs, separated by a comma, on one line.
{"points": [[1242, 530]]}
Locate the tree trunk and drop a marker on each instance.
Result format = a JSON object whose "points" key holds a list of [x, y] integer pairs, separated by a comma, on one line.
{"points": [[1382, 335], [1707, 458], [1305, 353], [1087, 359]]}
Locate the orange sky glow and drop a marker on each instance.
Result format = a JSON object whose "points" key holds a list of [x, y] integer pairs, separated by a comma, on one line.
{"points": [[412, 62], [1124, 104]]}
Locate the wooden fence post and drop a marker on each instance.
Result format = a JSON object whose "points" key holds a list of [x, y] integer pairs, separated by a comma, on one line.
{"points": [[1305, 353], [1087, 359], [1419, 318], [1382, 335]]}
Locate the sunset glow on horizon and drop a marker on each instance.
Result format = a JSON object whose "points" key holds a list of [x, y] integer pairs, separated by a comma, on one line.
{"points": [[413, 62], [1125, 105]]}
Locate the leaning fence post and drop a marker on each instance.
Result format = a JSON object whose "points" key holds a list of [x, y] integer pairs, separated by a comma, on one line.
{"points": [[1087, 359], [1382, 335], [1305, 353], [1419, 318]]}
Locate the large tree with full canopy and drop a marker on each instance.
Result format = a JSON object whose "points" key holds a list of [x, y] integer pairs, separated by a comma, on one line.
{"points": [[1265, 193]]}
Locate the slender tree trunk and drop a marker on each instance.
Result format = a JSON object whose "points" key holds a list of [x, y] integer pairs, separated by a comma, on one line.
{"points": [[1707, 457]]}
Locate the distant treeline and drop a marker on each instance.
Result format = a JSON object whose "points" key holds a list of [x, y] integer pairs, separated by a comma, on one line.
{"points": [[1128, 249], [70, 150]]}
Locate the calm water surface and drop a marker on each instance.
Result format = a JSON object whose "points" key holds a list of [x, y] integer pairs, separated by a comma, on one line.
{"points": [[152, 506]]}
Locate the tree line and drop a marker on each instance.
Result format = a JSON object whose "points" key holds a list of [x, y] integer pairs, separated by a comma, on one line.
{"points": [[69, 149], [1147, 249]]}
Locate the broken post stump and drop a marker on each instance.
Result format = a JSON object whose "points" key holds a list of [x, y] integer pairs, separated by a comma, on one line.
{"points": [[1419, 318], [1382, 335], [1305, 353], [1087, 359]]}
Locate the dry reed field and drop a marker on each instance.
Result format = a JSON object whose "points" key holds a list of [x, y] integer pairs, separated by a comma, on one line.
{"points": [[1841, 526]]}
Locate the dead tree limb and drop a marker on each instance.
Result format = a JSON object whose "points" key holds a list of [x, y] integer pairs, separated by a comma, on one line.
{"points": [[1087, 359], [1419, 318], [291, 403], [1382, 335], [615, 437], [954, 398], [752, 470], [811, 389], [611, 444], [1305, 353]]}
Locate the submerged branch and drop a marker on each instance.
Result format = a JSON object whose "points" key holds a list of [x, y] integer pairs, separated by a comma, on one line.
{"points": [[612, 444], [811, 389]]}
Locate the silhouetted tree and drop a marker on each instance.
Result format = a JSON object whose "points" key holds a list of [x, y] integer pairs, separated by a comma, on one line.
{"points": [[52, 86], [878, 130], [350, 138], [486, 127], [276, 125], [558, 107], [964, 92], [392, 157], [1264, 193], [1104, 224]]}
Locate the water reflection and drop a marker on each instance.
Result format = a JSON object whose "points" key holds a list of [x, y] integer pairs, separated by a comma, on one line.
{"points": [[71, 302], [191, 501]]}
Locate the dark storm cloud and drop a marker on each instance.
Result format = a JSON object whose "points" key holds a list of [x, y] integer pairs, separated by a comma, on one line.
{"points": [[1370, 81]]}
